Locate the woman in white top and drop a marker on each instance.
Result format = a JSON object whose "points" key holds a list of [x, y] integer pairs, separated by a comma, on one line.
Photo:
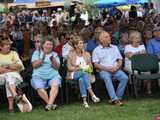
{"points": [[79, 68], [135, 47]]}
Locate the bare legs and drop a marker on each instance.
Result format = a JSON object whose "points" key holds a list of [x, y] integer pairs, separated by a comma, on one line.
{"points": [[52, 95]]}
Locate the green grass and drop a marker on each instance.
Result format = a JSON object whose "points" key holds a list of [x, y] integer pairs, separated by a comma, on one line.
{"points": [[142, 109]]}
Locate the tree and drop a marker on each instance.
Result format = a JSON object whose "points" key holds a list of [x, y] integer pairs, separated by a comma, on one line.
{"points": [[91, 8]]}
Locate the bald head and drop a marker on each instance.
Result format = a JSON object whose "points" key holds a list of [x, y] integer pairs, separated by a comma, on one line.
{"points": [[104, 39]]}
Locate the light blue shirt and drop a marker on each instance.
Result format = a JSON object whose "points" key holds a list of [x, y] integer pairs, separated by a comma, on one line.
{"points": [[91, 45], [107, 56], [153, 46], [45, 71]]}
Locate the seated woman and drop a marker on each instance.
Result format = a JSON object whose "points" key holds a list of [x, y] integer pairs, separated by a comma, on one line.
{"points": [[79, 66], [135, 47], [45, 74], [10, 66]]}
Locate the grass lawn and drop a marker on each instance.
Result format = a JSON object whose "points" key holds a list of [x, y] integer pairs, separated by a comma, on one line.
{"points": [[141, 109]]}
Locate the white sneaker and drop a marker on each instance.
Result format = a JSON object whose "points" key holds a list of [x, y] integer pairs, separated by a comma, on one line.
{"points": [[85, 104], [95, 99]]}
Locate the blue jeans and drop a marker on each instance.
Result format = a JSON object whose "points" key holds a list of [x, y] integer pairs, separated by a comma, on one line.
{"points": [[84, 82], [121, 77]]}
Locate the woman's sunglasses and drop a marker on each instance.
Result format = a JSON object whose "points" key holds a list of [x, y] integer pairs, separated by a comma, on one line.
{"points": [[37, 41]]}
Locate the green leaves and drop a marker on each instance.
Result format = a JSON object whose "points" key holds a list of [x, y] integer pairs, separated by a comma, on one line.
{"points": [[91, 8]]}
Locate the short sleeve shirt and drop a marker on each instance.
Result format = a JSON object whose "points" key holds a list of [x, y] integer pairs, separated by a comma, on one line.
{"points": [[45, 71], [106, 56], [134, 50]]}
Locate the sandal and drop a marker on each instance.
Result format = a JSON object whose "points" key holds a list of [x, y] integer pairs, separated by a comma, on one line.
{"points": [[50, 107]]}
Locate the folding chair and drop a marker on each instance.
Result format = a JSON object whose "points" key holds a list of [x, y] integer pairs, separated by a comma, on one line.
{"points": [[144, 63]]}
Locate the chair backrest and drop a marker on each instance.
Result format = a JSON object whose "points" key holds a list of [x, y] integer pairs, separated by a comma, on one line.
{"points": [[145, 62]]}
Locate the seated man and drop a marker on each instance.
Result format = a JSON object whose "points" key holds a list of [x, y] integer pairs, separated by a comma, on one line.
{"points": [[108, 60], [153, 45]]}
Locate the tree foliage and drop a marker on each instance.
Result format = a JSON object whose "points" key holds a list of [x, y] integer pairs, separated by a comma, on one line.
{"points": [[91, 8]]}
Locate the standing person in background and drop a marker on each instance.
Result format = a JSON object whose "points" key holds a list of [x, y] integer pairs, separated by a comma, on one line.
{"points": [[133, 13]]}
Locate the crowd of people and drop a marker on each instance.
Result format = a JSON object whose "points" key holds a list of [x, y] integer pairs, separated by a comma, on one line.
{"points": [[86, 47]]}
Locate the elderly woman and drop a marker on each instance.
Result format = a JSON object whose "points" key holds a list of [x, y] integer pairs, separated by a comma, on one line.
{"points": [[135, 47], [79, 69], [45, 64], [10, 66]]}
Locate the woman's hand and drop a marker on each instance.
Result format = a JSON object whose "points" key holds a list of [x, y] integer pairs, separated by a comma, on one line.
{"points": [[4, 70], [37, 63], [129, 54], [14, 67], [55, 64], [77, 68], [142, 52]]}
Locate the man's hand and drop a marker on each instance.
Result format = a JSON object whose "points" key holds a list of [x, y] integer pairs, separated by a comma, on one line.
{"points": [[112, 69]]}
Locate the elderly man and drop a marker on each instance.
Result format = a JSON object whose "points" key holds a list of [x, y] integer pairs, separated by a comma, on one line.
{"points": [[108, 60]]}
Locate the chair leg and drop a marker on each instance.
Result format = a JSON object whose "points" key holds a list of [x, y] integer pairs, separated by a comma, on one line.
{"points": [[88, 98], [61, 95], [135, 87], [67, 93]]}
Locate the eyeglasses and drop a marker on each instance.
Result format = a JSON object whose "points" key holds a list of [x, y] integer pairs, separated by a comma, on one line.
{"points": [[37, 41]]}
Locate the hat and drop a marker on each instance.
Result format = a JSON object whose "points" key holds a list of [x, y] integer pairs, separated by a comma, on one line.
{"points": [[35, 12], [24, 105], [157, 28], [59, 9]]}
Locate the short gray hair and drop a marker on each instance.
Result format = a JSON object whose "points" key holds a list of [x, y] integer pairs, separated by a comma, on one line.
{"points": [[134, 34], [47, 38]]}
